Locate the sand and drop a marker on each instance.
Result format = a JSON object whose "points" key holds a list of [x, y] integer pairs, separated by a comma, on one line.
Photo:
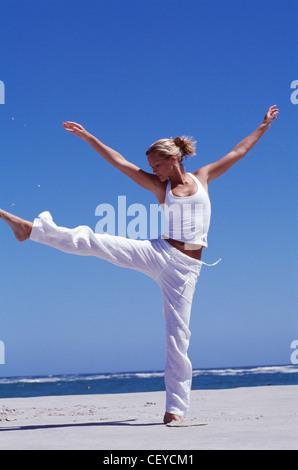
{"points": [[264, 418]]}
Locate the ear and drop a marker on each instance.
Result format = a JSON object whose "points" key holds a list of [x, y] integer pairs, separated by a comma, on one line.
{"points": [[173, 159]]}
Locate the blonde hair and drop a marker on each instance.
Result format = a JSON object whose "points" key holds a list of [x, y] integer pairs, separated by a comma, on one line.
{"points": [[180, 147]]}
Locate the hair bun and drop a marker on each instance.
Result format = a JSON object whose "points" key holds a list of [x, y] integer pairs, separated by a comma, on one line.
{"points": [[180, 143], [186, 144]]}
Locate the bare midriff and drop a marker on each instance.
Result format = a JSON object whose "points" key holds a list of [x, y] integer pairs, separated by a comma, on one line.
{"points": [[196, 254]]}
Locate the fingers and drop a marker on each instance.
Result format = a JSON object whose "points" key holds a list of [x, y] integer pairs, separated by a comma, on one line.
{"points": [[72, 129], [72, 125], [273, 109], [273, 112], [76, 129]]}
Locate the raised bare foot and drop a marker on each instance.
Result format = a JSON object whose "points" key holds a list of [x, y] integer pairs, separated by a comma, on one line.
{"points": [[21, 228], [168, 417]]}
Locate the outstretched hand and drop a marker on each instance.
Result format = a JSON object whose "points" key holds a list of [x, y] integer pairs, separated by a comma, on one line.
{"points": [[271, 114], [76, 129]]}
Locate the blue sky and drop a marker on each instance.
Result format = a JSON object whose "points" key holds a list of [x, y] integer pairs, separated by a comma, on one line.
{"points": [[131, 72]]}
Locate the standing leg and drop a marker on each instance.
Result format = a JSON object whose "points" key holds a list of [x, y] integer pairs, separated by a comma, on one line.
{"points": [[178, 368]]}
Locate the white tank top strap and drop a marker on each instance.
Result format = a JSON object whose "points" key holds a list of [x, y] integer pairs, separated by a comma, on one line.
{"points": [[199, 184], [193, 177]]}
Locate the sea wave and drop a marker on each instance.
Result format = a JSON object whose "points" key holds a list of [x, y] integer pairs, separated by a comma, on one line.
{"points": [[228, 372], [287, 369], [78, 377]]}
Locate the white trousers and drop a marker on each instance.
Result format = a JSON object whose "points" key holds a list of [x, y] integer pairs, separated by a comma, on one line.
{"points": [[175, 272]]}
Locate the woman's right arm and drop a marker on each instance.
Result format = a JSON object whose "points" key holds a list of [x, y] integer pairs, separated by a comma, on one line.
{"points": [[146, 180]]}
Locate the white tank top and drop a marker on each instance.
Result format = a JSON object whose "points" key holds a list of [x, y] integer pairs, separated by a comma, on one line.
{"points": [[187, 217]]}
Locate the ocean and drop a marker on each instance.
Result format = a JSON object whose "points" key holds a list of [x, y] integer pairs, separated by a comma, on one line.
{"points": [[132, 382]]}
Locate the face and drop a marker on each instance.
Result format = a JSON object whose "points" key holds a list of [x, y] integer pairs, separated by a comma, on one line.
{"points": [[161, 167]]}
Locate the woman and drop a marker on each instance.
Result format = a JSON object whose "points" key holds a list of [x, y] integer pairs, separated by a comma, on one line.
{"points": [[173, 260]]}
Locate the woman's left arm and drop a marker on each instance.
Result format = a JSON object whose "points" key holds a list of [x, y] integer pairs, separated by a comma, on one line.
{"points": [[216, 169]]}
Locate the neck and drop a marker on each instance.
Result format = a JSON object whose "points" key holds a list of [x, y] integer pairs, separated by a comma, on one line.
{"points": [[178, 175]]}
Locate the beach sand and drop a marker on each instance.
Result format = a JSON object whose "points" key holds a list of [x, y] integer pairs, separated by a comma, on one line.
{"points": [[241, 418]]}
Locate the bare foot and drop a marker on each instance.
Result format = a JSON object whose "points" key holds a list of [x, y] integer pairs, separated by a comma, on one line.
{"points": [[168, 417], [21, 228]]}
